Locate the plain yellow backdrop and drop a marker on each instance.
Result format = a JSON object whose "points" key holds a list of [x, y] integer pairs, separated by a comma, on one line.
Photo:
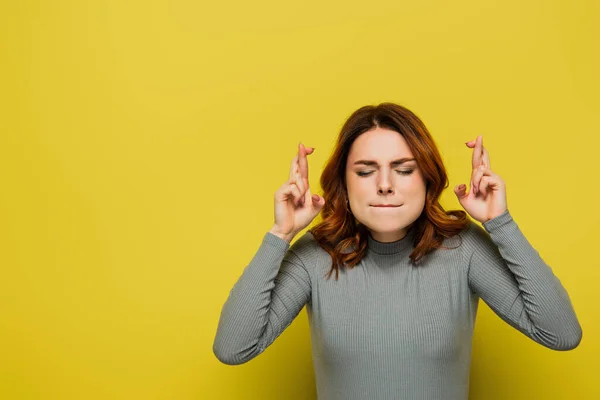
{"points": [[141, 143]]}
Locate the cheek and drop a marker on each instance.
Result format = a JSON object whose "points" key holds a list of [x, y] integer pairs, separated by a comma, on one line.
{"points": [[417, 182], [414, 188], [355, 184]]}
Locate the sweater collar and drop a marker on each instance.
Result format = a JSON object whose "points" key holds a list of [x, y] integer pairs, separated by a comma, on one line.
{"points": [[395, 247]]}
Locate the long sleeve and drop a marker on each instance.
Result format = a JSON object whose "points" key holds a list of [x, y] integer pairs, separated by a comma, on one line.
{"points": [[512, 278], [269, 294]]}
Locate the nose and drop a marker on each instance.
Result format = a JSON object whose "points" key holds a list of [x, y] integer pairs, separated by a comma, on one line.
{"points": [[385, 186]]}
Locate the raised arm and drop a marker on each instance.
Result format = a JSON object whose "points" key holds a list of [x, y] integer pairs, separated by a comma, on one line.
{"points": [[264, 301], [512, 278], [276, 285]]}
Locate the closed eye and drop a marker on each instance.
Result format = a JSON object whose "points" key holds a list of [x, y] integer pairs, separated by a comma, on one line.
{"points": [[407, 172]]}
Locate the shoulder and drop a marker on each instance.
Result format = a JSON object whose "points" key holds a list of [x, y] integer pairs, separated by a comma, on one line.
{"points": [[305, 245], [468, 236], [473, 236], [473, 231], [479, 243], [481, 234], [309, 252]]}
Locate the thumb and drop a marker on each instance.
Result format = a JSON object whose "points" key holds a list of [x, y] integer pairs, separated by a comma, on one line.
{"points": [[317, 201], [461, 191]]}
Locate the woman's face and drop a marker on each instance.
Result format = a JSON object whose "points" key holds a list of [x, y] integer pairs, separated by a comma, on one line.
{"points": [[400, 184]]}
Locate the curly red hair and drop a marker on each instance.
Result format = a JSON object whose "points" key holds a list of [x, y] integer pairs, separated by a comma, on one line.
{"points": [[339, 233]]}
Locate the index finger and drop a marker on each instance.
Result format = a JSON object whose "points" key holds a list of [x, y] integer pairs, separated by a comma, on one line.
{"points": [[293, 168], [486, 158], [477, 152], [303, 164]]}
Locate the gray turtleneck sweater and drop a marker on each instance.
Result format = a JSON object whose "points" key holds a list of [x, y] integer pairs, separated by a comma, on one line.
{"points": [[389, 330]]}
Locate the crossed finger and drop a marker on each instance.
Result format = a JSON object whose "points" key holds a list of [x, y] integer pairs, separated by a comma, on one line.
{"points": [[486, 158], [299, 170], [480, 163], [483, 177], [294, 168], [480, 153], [303, 162]]}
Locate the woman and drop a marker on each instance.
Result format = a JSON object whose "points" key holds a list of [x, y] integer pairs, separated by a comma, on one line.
{"points": [[397, 321]]}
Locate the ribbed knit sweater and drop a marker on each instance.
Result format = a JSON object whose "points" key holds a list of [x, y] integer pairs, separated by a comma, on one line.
{"points": [[387, 329]]}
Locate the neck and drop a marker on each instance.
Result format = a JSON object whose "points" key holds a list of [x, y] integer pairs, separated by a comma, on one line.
{"points": [[404, 244]]}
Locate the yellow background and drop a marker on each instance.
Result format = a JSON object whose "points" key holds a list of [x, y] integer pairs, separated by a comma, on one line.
{"points": [[141, 143]]}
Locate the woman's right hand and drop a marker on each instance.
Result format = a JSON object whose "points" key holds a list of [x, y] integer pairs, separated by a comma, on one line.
{"points": [[295, 207]]}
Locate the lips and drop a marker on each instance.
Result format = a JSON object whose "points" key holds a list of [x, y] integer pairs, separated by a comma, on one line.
{"points": [[386, 205]]}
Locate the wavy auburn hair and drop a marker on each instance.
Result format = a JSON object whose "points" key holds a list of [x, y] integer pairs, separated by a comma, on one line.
{"points": [[345, 238]]}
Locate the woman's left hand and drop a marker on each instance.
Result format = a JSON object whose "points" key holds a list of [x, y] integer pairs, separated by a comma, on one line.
{"points": [[487, 197]]}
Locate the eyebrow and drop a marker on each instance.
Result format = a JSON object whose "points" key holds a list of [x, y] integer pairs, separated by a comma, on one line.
{"points": [[393, 163]]}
